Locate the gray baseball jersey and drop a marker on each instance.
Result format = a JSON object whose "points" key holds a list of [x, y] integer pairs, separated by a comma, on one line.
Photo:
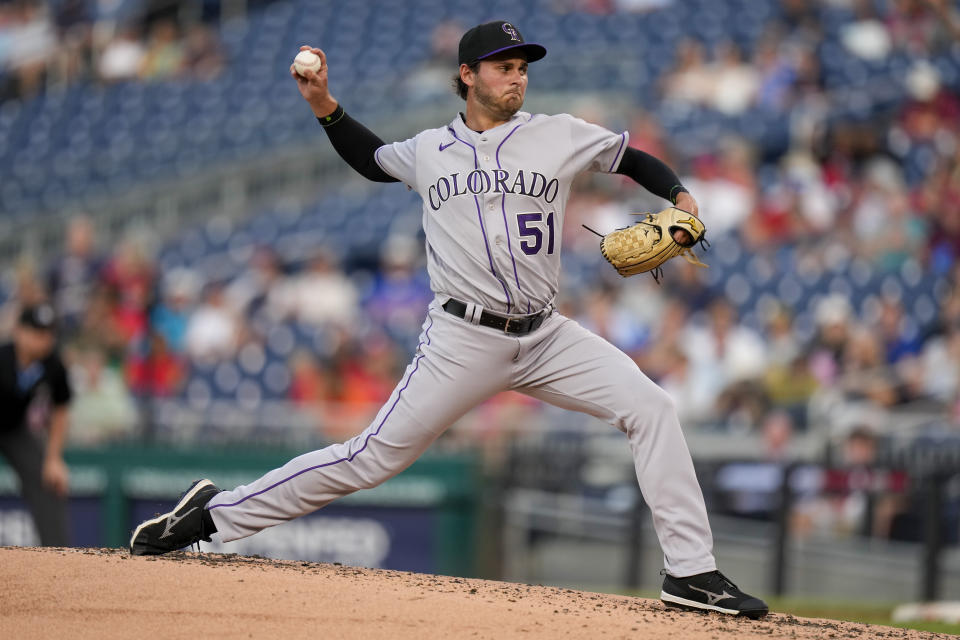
{"points": [[493, 202], [493, 210]]}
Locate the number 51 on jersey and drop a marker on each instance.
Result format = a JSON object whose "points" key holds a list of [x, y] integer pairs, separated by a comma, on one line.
{"points": [[531, 235]]}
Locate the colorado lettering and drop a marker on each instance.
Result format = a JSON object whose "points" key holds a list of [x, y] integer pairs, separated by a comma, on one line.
{"points": [[532, 184]]}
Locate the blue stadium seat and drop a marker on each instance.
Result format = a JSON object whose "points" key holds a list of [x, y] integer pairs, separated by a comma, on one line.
{"points": [[184, 124], [226, 379], [276, 381]]}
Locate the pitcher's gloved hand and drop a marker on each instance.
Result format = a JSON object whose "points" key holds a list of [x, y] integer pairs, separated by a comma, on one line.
{"points": [[645, 246]]}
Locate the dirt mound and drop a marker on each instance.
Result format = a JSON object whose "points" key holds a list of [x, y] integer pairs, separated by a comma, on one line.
{"points": [[105, 593]]}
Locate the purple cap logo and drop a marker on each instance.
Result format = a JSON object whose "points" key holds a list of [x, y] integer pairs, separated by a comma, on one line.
{"points": [[509, 30]]}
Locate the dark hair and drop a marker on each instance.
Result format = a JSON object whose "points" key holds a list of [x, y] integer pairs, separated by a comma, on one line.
{"points": [[459, 87]]}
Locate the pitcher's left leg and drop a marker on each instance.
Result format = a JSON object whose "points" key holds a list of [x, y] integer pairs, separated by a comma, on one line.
{"points": [[572, 368]]}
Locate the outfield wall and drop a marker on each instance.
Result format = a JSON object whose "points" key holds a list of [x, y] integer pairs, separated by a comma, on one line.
{"points": [[423, 520]]}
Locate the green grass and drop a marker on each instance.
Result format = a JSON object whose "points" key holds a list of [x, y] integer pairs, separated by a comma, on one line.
{"points": [[866, 613]]}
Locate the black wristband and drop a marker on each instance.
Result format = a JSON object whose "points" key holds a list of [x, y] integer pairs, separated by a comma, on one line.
{"points": [[675, 191], [332, 119]]}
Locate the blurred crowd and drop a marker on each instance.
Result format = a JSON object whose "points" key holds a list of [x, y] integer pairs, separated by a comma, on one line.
{"points": [[131, 333], [864, 199], [783, 72], [55, 44], [881, 191]]}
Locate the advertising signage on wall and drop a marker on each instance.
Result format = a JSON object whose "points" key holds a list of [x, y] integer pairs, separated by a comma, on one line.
{"points": [[422, 520]]}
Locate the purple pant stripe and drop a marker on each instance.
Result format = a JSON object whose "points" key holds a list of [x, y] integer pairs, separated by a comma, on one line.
{"points": [[365, 442]]}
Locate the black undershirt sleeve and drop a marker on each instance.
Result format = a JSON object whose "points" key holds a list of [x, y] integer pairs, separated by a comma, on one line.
{"points": [[355, 144], [651, 174]]}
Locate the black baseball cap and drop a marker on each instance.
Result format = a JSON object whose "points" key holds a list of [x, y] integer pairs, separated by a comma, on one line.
{"points": [[39, 316], [489, 38]]}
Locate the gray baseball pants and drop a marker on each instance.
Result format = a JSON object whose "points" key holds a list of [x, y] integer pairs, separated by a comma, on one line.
{"points": [[457, 366]]}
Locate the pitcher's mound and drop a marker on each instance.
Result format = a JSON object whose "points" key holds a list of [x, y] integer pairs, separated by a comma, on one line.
{"points": [[105, 593]]}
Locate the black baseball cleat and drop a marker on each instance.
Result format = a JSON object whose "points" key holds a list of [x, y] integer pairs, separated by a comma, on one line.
{"points": [[711, 591], [187, 524]]}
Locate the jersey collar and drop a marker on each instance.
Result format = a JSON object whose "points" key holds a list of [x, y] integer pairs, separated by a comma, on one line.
{"points": [[459, 129]]}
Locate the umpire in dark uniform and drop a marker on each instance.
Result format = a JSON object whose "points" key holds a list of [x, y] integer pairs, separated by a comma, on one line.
{"points": [[28, 365]]}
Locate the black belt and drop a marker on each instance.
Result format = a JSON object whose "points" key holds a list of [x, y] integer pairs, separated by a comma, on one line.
{"points": [[519, 325]]}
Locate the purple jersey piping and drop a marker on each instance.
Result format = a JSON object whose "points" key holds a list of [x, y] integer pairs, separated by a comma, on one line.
{"points": [[486, 243], [376, 157], [623, 138], [503, 210], [426, 335]]}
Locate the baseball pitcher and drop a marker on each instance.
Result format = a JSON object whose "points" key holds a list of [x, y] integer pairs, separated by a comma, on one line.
{"points": [[494, 183]]}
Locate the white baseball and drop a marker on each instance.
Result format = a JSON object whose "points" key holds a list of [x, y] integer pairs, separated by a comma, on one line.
{"points": [[307, 60]]}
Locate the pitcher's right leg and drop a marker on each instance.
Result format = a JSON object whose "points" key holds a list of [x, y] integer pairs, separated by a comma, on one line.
{"points": [[456, 367]]}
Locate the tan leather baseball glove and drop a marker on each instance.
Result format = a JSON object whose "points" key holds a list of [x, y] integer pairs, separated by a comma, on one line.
{"points": [[645, 246]]}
